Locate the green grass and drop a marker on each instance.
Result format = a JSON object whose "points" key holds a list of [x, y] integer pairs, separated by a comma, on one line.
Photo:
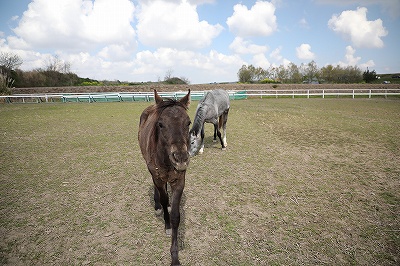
{"points": [[303, 181]]}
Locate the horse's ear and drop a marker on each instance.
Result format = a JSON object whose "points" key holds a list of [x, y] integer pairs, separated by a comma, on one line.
{"points": [[157, 97], [186, 100]]}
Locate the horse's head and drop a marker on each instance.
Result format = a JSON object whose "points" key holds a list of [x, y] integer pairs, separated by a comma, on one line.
{"points": [[172, 129], [195, 142]]}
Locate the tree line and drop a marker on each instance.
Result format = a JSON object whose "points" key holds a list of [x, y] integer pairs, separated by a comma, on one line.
{"points": [[57, 73], [305, 73]]}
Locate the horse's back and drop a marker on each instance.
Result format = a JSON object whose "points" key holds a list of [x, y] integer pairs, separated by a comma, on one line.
{"points": [[145, 127], [221, 100]]}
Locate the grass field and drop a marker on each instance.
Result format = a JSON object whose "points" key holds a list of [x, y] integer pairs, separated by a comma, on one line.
{"points": [[303, 182]]}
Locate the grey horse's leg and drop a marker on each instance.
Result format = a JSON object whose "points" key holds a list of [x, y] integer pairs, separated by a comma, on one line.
{"points": [[202, 140], [225, 119]]}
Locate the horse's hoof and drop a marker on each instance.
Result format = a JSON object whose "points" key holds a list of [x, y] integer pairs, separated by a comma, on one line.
{"points": [[168, 232], [224, 148], [158, 212], [214, 140]]}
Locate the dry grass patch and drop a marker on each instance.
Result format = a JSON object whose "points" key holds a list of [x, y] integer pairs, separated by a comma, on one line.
{"points": [[303, 181]]}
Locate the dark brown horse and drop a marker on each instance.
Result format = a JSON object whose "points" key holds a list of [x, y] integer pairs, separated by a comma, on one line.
{"points": [[164, 142]]}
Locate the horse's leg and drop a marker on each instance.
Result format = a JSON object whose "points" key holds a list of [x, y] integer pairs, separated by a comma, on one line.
{"points": [[177, 190], [224, 120], [215, 133], [163, 200], [219, 133], [202, 140], [157, 204]]}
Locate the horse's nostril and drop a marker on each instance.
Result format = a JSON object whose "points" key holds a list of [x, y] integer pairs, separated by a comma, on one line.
{"points": [[180, 156]]}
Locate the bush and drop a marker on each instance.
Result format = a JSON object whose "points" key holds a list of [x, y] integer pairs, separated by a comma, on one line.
{"points": [[175, 80], [369, 76], [269, 81], [90, 83]]}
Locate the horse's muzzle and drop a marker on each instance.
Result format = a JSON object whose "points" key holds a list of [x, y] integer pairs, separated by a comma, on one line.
{"points": [[180, 160]]}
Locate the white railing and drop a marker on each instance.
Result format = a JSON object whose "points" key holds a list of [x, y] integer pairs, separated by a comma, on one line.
{"points": [[322, 93], [195, 95]]}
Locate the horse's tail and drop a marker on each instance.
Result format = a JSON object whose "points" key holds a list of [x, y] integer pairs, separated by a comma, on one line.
{"points": [[223, 118]]}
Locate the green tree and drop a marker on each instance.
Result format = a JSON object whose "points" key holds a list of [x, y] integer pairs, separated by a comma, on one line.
{"points": [[244, 74], [294, 74], [311, 71], [327, 73], [369, 76]]}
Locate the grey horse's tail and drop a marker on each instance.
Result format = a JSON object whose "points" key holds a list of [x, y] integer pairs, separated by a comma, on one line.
{"points": [[223, 118]]}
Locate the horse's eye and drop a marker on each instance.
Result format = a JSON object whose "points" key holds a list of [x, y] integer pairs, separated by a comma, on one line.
{"points": [[160, 125], [188, 124]]}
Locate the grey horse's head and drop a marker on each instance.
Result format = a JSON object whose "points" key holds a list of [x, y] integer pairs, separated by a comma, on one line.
{"points": [[195, 143]]}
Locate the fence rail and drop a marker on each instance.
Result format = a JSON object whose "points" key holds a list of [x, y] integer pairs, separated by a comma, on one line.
{"points": [[195, 95]]}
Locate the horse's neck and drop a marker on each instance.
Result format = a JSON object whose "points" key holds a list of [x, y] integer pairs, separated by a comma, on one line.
{"points": [[200, 117]]}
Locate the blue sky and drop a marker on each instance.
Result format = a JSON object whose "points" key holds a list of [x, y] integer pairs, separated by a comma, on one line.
{"points": [[201, 40]]}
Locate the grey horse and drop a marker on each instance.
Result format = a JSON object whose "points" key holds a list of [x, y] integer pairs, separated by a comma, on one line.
{"points": [[214, 105]]}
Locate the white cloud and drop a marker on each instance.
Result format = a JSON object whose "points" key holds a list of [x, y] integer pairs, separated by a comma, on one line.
{"points": [[214, 65], [169, 24], [17, 43], [353, 25], [200, 2], [277, 58], [241, 46], [193, 2], [351, 60], [304, 24], [260, 20], [76, 24], [276, 54], [369, 63], [259, 60], [304, 52], [390, 6], [115, 52]]}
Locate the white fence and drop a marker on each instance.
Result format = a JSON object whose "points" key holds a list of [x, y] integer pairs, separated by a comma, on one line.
{"points": [[196, 95], [324, 93]]}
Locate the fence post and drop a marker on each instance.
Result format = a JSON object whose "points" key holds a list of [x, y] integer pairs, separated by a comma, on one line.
{"points": [[353, 94], [308, 94], [369, 95], [323, 94]]}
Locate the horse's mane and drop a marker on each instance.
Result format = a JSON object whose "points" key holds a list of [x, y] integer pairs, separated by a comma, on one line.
{"points": [[168, 103], [198, 119]]}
